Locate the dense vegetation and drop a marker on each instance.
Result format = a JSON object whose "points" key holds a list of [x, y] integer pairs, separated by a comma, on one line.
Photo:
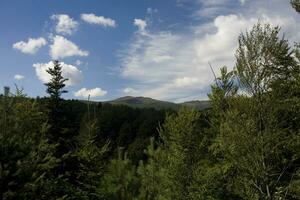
{"points": [[245, 146]]}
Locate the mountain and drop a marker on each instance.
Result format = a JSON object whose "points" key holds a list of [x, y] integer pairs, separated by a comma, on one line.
{"points": [[146, 102]]}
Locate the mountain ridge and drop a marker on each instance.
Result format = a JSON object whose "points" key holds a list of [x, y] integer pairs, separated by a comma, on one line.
{"points": [[147, 102]]}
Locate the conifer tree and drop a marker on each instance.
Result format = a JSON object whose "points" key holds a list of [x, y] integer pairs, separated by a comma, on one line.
{"points": [[120, 181], [57, 81], [296, 5], [182, 148], [153, 174], [26, 159], [91, 157], [55, 88]]}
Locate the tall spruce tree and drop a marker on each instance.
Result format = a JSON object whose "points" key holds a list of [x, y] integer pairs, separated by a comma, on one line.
{"points": [[57, 82], [55, 88]]}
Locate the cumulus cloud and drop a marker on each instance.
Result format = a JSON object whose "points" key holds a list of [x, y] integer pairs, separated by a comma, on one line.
{"points": [[99, 20], [141, 24], [63, 47], [31, 46], [175, 66], [19, 77], [129, 90], [68, 71], [95, 92], [65, 24]]}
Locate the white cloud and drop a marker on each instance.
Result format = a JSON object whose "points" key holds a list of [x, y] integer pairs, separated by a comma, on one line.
{"points": [[78, 62], [62, 48], [186, 81], [99, 20], [213, 8], [65, 24], [19, 77], [174, 66], [162, 58], [214, 2], [141, 24], [95, 92], [129, 90], [151, 10], [68, 71], [243, 1], [31, 46]]}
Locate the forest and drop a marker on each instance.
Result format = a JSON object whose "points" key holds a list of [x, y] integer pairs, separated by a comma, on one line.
{"points": [[246, 145]]}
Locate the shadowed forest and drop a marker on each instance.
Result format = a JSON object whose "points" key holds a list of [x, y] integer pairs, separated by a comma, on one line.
{"points": [[245, 145]]}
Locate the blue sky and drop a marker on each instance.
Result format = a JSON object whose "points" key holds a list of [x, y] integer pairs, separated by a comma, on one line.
{"points": [[113, 48]]}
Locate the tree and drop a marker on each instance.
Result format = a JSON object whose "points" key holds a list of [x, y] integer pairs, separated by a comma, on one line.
{"points": [[120, 182], [57, 134], [91, 157], [153, 174], [182, 142], [296, 5], [257, 139], [26, 159], [216, 175], [57, 81]]}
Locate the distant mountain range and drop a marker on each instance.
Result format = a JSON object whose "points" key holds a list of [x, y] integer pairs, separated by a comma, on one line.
{"points": [[146, 102]]}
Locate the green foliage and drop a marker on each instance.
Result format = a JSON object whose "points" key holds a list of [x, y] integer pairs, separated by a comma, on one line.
{"points": [[56, 84], [26, 160], [254, 140], [153, 175], [181, 140], [246, 146], [91, 158], [120, 182], [296, 5], [56, 133]]}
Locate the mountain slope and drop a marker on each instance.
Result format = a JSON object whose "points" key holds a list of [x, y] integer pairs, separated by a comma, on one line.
{"points": [[146, 102]]}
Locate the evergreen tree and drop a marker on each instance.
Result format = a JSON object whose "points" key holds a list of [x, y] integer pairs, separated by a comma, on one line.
{"points": [[153, 175], [55, 88], [26, 159], [57, 82], [120, 182], [296, 5], [91, 157], [60, 136], [182, 148]]}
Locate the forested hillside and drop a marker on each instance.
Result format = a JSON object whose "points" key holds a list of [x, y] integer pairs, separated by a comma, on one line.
{"points": [[143, 102], [245, 145]]}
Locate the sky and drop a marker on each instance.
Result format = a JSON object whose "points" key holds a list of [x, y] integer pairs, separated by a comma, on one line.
{"points": [[113, 48]]}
